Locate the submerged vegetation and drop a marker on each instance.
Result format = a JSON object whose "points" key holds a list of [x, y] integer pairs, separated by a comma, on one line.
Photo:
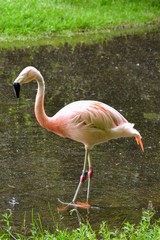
{"points": [[44, 18], [145, 230]]}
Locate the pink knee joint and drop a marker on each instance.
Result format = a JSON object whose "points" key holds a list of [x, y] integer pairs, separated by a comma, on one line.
{"points": [[90, 172], [83, 176]]}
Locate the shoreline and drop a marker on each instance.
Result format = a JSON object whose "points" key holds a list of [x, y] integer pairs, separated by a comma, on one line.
{"points": [[78, 37]]}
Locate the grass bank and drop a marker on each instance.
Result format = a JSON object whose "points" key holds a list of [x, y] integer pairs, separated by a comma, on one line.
{"points": [[35, 18], [147, 229]]}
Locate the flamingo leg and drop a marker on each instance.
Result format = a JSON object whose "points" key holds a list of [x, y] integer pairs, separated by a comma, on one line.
{"points": [[89, 175], [82, 177]]}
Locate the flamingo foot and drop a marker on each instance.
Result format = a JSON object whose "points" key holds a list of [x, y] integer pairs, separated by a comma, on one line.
{"points": [[83, 205], [62, 209], [72, 204]]}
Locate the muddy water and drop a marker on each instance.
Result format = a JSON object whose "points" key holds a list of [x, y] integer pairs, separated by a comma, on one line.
{"points": [[38, 167]]}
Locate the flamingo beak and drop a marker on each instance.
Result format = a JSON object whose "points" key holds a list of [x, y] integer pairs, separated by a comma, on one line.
{"points": [[16, 87], [139, 142]]}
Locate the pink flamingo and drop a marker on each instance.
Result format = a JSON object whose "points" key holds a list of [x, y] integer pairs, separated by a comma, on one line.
{"points": [[88, 122]]}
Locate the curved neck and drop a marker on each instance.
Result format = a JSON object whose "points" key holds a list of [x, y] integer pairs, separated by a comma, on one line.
{"points": [[41, 116]]}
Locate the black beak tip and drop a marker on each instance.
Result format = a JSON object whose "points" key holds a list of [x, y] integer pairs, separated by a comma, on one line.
{"points": [[16, 87]]}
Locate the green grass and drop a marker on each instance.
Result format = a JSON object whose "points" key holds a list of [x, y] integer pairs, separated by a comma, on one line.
{"points": [[47, 17], [145, 230]]}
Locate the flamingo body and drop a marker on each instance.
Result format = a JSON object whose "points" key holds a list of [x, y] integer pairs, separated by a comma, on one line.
{"points": [[88, 122], [91, 123]]}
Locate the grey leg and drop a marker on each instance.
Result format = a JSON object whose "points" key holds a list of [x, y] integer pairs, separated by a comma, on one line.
{"points": [[83, 176]]}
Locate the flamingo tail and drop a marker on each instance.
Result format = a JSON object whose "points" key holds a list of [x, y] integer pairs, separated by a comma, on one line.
{"points": [[139, 142]]}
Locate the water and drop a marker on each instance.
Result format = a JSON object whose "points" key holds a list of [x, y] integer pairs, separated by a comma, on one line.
{"points": [[38, 167]]}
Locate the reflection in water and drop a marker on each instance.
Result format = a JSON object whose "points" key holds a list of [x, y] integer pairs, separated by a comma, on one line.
{"points": [[37, 167]]}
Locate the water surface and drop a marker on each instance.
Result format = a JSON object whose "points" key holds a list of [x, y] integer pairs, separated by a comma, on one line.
{"points": [[38, 167]]}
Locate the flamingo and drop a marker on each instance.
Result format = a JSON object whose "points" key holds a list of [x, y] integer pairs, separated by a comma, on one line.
{"points": [[85, 121]]}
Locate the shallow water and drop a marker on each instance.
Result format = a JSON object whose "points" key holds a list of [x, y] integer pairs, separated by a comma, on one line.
{"points": [[38, 167]]}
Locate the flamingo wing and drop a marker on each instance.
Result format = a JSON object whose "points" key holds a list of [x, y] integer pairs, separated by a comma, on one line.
{"points": [[99, 115]]}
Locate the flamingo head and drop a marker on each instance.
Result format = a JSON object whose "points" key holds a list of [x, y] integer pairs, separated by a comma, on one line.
{"points": [[26, 75]]}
